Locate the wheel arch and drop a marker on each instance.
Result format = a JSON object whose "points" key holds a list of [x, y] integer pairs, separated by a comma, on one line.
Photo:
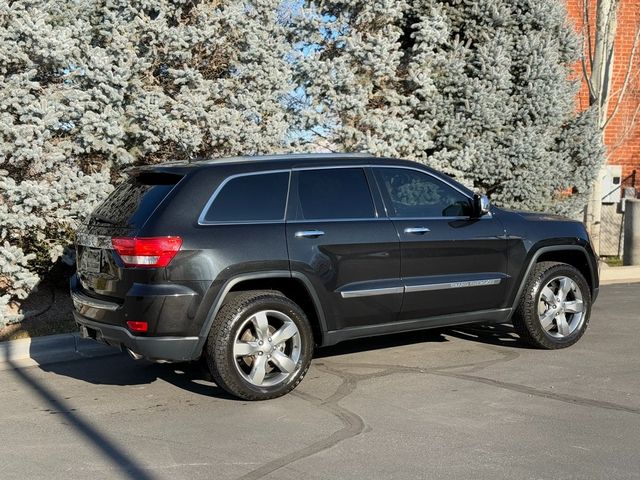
{"points": [[294, 285], [574, 255]]}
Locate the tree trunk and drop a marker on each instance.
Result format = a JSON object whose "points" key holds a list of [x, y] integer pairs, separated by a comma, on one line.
{"points": [[599, 81]]}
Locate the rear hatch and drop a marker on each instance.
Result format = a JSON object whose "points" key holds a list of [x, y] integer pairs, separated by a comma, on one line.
{"points": [[122, 214]]}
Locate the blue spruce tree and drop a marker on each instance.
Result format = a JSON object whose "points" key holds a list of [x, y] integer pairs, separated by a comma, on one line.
{"points": [[481, 89]]}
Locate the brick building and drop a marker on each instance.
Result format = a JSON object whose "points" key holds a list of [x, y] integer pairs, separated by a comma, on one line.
{"points": [[622, 138], [622, 134]]}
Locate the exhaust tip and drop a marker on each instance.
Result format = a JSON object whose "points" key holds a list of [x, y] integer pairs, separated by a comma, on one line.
{"points": [[134, 355]]}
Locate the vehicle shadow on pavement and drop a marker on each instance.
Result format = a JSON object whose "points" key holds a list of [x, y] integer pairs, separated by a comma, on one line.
{"points": [[119, 369], [493, 334], [381, 342]]}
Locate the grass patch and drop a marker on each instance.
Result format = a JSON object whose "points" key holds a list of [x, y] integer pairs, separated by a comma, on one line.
{"points": [[613, 261]]}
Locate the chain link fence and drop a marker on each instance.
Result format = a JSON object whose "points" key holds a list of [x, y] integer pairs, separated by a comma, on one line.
{"points": [[612, 219]]}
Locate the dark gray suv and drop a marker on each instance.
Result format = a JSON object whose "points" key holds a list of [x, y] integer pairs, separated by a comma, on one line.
{"points": [[253, 261]]}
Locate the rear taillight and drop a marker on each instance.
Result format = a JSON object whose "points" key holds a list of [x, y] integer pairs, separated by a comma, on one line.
{"points": [[136, 326], [151, 252]]}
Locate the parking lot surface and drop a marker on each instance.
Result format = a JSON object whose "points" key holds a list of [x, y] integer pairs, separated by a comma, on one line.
{"points": [[465, 403]]}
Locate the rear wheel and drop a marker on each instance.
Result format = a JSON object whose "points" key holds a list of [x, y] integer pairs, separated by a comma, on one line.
{"points": [[555, 306], [260, 345]]}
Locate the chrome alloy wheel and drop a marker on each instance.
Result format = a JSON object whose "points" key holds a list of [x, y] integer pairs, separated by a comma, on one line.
{"points": [[560, 307], [266, 348]]}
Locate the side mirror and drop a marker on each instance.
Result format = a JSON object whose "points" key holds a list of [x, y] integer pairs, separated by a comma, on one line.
{"points": [[481, 205]]}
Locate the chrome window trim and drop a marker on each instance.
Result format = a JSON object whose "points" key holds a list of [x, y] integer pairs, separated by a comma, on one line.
{"points": [[417, 219], [460, 217], [425, 287], [202, 221], [244, 222], [327, 220], [216, 192], [426, 173], [374, 165]]}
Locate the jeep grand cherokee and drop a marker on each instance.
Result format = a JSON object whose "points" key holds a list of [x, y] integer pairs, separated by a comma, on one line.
{"points": [[254, 261]]}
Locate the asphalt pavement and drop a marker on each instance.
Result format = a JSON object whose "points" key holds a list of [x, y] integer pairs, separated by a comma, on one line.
{"points": [[467, 403]]}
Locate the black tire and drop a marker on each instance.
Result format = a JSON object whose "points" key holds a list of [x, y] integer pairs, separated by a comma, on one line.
{"points": [[527, 321], [227, 370]]}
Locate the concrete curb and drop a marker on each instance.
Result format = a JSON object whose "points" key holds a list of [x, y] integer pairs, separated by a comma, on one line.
{"points": [[613, 275], [28, 352]]}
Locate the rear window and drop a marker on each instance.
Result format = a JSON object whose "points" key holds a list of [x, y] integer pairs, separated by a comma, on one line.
{"points": [[257, 197], [133, 201], [341, 193]]}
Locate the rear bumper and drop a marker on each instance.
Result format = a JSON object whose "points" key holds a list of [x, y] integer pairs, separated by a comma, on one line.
{"points": [[166, 308], [173, 349]]}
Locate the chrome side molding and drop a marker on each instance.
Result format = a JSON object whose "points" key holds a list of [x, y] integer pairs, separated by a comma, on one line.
{"points": [[372, 291], [448, 285], [425, 287]]}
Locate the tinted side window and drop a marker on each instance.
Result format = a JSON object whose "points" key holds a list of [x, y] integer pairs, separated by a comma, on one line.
{"points": [[410, 193], [334, 194], [257, 197]]}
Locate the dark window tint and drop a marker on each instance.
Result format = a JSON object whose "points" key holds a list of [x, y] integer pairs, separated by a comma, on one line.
{"points": [[334, 194], [251, 198], [133, 201], [410, 193]]}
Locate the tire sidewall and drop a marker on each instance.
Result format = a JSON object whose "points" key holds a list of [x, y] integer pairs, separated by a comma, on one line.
{"points": [[536, 291], [284, 305]]}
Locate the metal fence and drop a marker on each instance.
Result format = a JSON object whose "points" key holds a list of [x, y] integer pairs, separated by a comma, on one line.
{"points": [[612, 220]]}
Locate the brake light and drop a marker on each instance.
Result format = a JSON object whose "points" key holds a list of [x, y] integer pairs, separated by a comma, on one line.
{"points": [[138, 326], [150, 252]]}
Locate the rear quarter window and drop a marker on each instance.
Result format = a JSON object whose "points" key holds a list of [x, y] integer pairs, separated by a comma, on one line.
{"points": [[258, 197]]}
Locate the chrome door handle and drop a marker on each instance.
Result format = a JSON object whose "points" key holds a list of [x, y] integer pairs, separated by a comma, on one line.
{"points": [[309, 234], [417, 230]]}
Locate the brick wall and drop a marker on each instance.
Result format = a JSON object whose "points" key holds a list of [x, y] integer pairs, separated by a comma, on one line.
{"points": [[623, 143]]}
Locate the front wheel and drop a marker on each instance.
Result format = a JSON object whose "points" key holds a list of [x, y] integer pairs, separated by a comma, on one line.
{"points": [[554, 309], [260, 345]]}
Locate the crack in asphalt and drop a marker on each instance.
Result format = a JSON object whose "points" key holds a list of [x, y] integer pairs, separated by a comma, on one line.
{"points": [[560, 397], [507, 356], [514, 387], [354, 425]]}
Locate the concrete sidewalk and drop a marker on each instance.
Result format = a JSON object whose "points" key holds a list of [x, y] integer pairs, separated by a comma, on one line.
{"points": [[610, 275], [27, 352]]}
